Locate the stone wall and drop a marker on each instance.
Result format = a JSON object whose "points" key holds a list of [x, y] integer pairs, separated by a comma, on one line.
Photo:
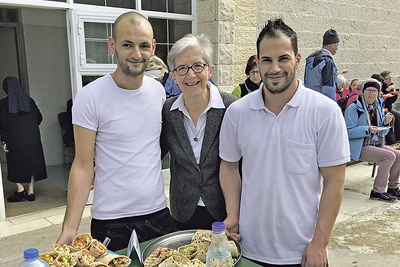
{"points": [[369, 32]]}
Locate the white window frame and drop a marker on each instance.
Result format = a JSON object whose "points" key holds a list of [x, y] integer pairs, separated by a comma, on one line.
{"points": [[80, 14]]}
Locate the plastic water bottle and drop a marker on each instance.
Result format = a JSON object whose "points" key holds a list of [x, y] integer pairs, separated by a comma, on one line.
{"points": [[219, 254], [32, 259]]}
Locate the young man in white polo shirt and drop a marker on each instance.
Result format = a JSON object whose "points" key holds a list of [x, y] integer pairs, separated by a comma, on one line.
{"points": [[294, 146]]}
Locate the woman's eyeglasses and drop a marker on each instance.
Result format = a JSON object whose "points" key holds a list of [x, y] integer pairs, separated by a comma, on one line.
{"points": [[182, 70], [254, 72], [371, 91]]}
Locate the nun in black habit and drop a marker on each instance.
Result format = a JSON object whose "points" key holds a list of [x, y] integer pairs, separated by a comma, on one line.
{"points": [[20, 135]]}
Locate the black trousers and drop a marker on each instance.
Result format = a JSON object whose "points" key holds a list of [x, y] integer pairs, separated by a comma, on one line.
{"points": [[201, 219], [274, 265], [119, 230]]}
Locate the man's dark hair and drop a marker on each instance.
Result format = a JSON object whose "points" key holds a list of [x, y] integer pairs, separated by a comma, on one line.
{"points": [[385, 73], [273, 29]]}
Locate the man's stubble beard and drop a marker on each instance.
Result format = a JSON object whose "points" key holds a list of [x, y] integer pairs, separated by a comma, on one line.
{"points": [[125, 68], [288, 81]]}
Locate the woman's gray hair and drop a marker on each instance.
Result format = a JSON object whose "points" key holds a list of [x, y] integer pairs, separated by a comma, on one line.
{"points": [[189, 40], [340, 80], [359, 85]]}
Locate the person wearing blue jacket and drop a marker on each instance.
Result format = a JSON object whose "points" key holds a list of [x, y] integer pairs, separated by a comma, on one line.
{"points": [[320, 72], [367, 126]]}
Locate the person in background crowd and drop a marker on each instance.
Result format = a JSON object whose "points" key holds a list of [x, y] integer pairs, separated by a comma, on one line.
{"points": [[367, 140], [353, 85], [159, 71], [253, 80], [118, 116], [355, 90], [20, 135], [393, 137], [340, 89], [320, 71], [156, 68], [287, 200], [191, 124]]}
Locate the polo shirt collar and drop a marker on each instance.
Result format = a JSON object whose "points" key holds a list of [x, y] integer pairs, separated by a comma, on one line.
{"points": [[258, 101]]}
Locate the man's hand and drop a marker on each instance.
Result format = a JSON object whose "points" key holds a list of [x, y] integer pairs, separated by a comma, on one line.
{"points": [[314, 255], [232, 228], [66, 237]]}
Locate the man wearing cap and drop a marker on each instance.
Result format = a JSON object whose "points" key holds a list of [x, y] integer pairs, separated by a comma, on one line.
{"points": [[320, 73]]}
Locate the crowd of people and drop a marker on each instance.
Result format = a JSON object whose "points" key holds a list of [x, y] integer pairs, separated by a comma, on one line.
{"points": [[253, 159]]}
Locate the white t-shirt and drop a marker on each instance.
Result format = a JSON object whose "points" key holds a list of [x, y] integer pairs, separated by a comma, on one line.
{"points": [[127, 150], [281, 184]]}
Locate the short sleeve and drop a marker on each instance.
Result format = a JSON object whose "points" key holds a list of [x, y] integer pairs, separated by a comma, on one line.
{"points": [[228, 145]]}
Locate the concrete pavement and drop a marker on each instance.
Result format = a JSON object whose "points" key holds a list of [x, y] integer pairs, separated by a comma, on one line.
{"points": [[366, 233]]}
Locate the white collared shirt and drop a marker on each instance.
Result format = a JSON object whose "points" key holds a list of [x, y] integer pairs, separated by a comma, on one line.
{"points": [[196, 132]]}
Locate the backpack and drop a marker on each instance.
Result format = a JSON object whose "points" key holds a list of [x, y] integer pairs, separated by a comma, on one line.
{"points": [[343, 102]]}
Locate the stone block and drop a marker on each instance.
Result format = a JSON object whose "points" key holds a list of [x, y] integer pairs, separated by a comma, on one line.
{"points": [[206, 11], [226, 32], [246, 35], [210, 29], [225, 74], [225, 54], [226, 10], [246, 16]]}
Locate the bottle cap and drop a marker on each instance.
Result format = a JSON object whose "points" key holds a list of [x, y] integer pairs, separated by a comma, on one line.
{"points": [[218, 226], [31, 253]]}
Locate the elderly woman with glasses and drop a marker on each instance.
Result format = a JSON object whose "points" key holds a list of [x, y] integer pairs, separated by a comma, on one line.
{"points": [[253, 80], [191, 124], [367, 126]]}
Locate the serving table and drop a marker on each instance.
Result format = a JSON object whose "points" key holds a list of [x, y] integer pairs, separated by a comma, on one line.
{"points": [[135, 260]]}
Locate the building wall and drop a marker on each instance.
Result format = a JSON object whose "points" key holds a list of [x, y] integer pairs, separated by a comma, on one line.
{"points": [[47, 62], [369, 32]]}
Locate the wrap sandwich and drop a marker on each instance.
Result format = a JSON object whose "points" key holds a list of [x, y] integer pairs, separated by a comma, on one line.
{"points": [[234, 249], [98, 264], [202, 238], [65, 261], [197, 263], [114, 260], [97, 248], [83, 258], [176, 260], [81, 241], [50, 258], [64, 249], [190, 251], [158, 255]]}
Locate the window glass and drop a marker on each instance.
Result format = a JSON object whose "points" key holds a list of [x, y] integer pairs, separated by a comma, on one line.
{"points": [[9, 15], [122, 3], [180, 6], [96, 43], [178, 29], [167, 32], [155, 5], [91, 2], [170, 6], [111, 3]]}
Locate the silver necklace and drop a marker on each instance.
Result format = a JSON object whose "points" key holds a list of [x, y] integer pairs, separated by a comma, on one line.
{"points": [[195, 132]]}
